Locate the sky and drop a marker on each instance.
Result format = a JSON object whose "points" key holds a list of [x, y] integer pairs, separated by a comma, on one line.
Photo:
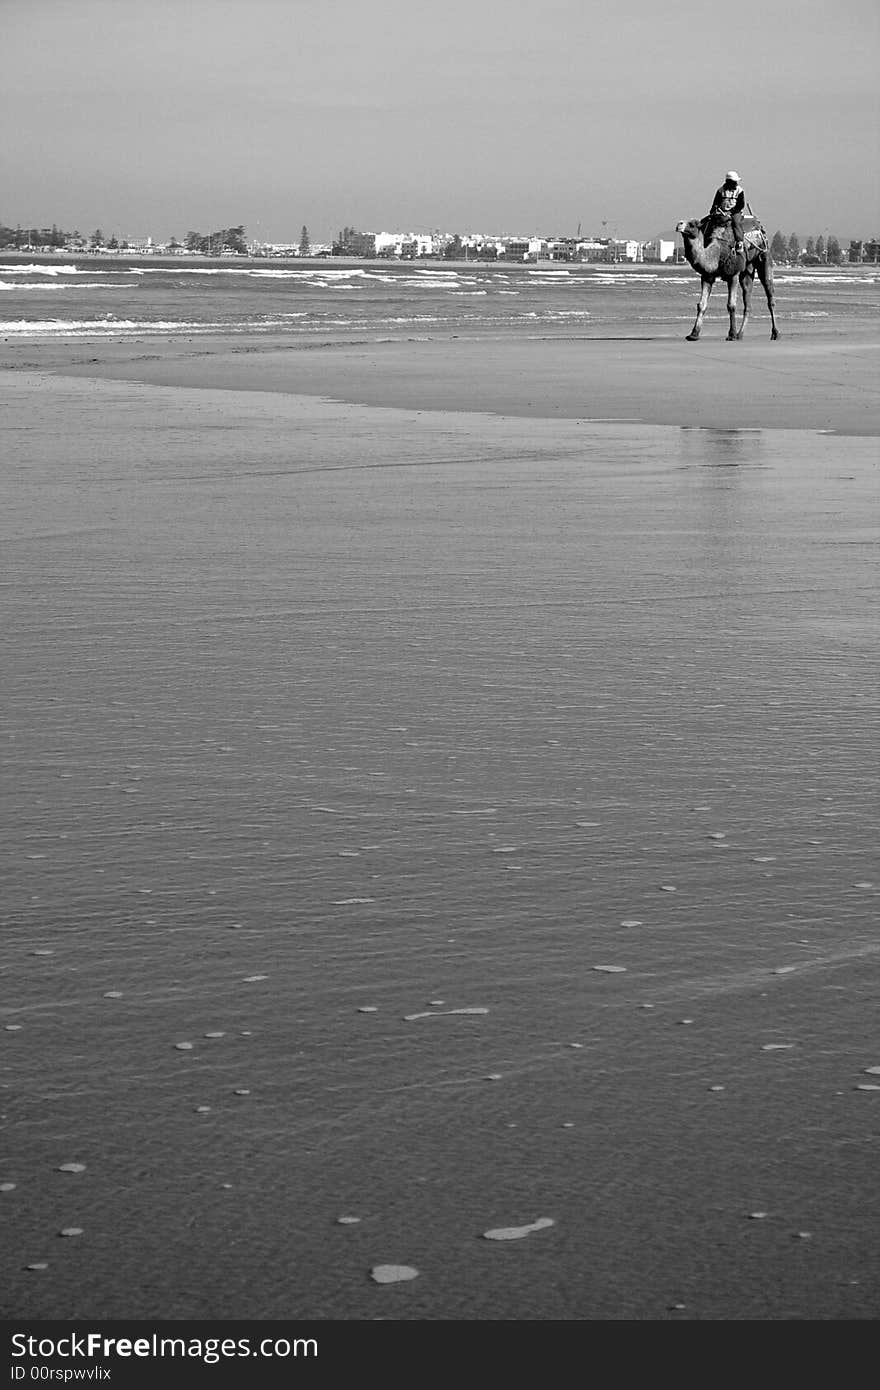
{"points": [[158, 117]]}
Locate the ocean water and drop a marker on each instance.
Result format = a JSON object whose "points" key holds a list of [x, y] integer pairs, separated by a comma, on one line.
{"points": [[333, 300]]}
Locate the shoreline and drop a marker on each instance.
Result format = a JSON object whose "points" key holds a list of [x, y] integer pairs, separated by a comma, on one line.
{"points": [[826, 384]]}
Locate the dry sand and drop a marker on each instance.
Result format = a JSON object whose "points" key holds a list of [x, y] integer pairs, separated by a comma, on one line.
{"points": [[454, 822]]}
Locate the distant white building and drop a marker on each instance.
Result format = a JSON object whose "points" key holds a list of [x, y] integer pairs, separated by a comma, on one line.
{"points": [[658, 250], [628, 250], [404, 243]]}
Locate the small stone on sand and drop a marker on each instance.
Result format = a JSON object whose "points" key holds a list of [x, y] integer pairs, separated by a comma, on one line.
{"points": [[184, 1046], [392, 1274], [631, 922], [368, 1009], [7, 1186], [493, 1076], [757, 1215], [203, 1109], [72, 1168], [241, 1092], [667, 888], [611, 969], [251, 979], [215, 1035], [38, 1264], [71, 1231], [113, 994], [347, 1220]]}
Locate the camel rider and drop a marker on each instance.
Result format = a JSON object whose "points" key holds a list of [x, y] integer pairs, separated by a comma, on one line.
{"points": [[729, 205]]}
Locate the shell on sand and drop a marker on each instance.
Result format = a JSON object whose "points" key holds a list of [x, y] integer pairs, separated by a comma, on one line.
{"points": [[392, 1274]]}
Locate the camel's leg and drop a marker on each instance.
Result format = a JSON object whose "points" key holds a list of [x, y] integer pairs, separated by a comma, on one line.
{"points": [[747, 281], [731, 309], [765, 272], [701, 311]]}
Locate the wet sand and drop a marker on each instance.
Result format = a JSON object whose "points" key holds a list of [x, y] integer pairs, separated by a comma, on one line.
{"points": [[454, 822]]}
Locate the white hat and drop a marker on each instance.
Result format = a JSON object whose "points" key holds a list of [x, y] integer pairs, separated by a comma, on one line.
{"points": [[731, 176]]}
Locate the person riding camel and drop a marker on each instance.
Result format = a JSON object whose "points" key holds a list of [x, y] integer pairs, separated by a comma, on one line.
{"points": [[729, 206]]}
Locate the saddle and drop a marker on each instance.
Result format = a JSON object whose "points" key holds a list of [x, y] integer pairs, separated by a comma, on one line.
{"points": [[754, 238]]}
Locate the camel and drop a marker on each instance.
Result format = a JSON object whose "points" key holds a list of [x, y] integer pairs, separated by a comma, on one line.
{"points": [[713, 259]]}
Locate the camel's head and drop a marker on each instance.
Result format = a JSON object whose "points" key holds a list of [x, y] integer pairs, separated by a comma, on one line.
{"points": [[688, 229]]}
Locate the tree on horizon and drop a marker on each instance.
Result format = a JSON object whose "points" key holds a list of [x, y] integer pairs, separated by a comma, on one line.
{"points": [[305, 246]]}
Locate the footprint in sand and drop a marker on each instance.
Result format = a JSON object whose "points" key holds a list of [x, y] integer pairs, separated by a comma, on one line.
{"points": [[518, 1232]]}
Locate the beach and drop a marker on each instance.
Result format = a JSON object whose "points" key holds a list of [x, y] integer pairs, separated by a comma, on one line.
{"points": [[440, 826]]}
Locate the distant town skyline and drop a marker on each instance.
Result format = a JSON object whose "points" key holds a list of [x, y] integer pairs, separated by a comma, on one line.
{"points": [[162, 118]]}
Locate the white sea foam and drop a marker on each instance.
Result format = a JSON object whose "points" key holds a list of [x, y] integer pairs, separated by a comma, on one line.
{"points": [[78, 328], [52, 287], [783, 277], [40, 270]]}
